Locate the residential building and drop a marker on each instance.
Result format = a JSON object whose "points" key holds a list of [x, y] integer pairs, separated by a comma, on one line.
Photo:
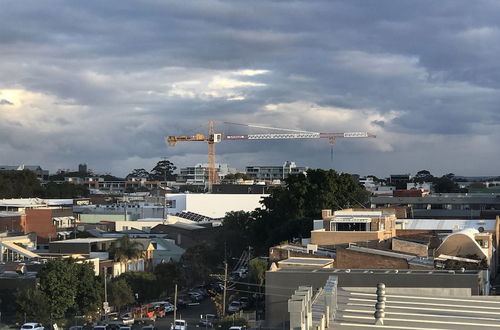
{"points": [[269, 173], [465, 206], [198, 174], [351, 226], [188, 235], [49, 219], [399, 180]]}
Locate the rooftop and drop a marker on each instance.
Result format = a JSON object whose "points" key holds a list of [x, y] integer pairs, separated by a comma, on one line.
{"points": [[88, 240], [446, 224], [305, 262], [416, 311]]}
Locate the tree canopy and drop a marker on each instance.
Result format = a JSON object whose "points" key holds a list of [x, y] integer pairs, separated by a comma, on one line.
{"points": [[164, 169], [288, 211], [66, 288], [124, 249], [138, 173]]}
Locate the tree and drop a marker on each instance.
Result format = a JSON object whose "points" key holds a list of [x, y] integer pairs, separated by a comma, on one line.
{"points": [[198, 262], [445, 184], [235, 234], [33, 304], [70, 287], [19, 184], [288, 211], [120, 293], [142, 283], [138, 173], [167, 275], [164, 170], [257, 271], [124, 249], [423, 176]]}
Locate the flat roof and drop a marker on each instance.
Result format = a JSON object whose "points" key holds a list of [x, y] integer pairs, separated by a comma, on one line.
{"points": [[446, 224], [416, 310], [306, 261], [85, 240]]}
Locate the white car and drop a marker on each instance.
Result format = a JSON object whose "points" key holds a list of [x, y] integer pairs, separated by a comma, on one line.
{"points": [[179, 325], [32, 326]]}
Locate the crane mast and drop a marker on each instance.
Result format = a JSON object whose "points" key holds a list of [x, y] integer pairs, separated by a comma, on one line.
{"points": [[212, 138]]}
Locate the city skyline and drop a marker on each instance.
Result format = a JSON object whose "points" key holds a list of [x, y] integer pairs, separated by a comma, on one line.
{"points": [[105, 83]]}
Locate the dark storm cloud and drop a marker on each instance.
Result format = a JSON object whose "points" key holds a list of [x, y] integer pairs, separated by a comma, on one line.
{"points": [[109, 80]]}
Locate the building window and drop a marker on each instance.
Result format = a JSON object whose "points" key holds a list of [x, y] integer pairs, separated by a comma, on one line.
{"points": [[351, 226]]}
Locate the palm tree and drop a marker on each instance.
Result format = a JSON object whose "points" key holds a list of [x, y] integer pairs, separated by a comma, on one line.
{"points": [[124, 249]]}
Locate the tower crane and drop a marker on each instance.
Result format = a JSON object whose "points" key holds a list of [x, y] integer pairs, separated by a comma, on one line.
{"points": [[212, 138]]}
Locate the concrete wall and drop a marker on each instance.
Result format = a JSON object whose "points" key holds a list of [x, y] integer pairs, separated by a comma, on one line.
{"points": [[215, 205], [349, 259], [141, 225], [276, 254], [345, 237], [417, 249], [281, 284]]}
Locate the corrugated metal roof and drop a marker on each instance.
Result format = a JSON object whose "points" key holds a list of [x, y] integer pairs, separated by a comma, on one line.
{"points": [[446, 224]]}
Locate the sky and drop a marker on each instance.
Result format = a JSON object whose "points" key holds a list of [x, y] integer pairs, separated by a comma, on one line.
{"points": [[104, 82]]}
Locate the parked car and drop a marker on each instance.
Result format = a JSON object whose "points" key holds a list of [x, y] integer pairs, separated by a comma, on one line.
{"points": [[234, 306], [76, 327], [124, 328], [32, 326], [99, 327], [245, 302], [179, 325], [207, 321], [195, 296], [238, 328], [149, 327], [184, 300]]}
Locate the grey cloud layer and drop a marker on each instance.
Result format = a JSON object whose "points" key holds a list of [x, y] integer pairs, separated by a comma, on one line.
{"points": [[116, 77]]}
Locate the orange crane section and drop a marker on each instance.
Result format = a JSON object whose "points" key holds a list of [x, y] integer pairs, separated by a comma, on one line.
{"points": [[213, 138]]}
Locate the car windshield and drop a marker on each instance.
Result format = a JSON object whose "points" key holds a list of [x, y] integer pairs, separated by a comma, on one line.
{"points": [[27, 327], [179, 322]]}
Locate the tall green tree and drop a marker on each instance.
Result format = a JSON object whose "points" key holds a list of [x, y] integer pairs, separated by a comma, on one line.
{"points": [[142, 283], [198, 263], [33, 304], [164, 169], [167, 275], [138, 173], [69, 288], [288, 211], [124, 249], [120, 293]]}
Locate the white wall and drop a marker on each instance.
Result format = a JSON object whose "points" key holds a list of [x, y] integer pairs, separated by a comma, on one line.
{"points": [[215, 205], [136, 224]]}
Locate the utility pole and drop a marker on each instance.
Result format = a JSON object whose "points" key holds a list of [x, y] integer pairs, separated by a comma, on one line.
{"points": [[175, 304], [225, 290]]}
